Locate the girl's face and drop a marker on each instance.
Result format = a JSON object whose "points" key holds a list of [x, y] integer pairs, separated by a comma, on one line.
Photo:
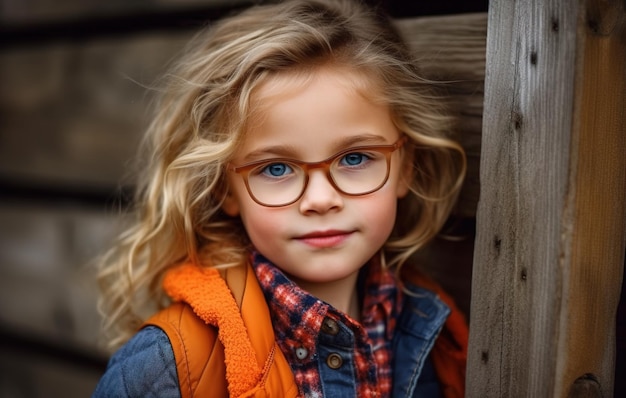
{"points": [[325, 236]]}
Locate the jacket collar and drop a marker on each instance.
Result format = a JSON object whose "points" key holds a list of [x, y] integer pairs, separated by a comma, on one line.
{"points": [[207, 292], [420, 323]]}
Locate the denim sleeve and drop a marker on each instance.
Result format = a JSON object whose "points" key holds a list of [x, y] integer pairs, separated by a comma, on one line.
{"points": [[143, 367]]}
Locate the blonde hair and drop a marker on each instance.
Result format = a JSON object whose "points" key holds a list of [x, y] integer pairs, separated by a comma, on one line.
{"points": [[203, 112]]}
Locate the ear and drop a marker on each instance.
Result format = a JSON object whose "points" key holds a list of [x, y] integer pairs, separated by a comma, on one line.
{"points": [[230, 204], [406, 173]]}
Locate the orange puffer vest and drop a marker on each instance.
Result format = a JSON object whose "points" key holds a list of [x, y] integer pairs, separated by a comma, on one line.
{"points": [[216, 356]]}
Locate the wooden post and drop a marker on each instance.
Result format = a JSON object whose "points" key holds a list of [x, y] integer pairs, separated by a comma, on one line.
{"points": [[551, 219]]}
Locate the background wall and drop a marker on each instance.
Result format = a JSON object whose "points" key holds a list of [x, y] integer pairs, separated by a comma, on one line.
{"points": [[73, 106]]}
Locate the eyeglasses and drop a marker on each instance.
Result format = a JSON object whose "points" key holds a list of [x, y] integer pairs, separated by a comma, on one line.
{"points": [[355, 171]]}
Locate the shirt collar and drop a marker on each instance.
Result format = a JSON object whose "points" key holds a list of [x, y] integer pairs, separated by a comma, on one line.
{"points": [[298, 316], [382, 297]]}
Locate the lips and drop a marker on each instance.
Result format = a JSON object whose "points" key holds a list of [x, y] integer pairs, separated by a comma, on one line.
{"points": [[325, 239]]}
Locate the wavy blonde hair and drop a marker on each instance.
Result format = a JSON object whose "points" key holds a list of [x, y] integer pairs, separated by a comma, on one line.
{"points": [[202, 115]]}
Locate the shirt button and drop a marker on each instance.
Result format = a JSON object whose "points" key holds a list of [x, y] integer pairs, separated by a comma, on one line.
{"points": [[301, 353], [334, 361], [329, 326]]}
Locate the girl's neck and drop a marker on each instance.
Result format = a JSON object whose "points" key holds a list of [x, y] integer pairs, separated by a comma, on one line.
{"points": [[341, 294]]}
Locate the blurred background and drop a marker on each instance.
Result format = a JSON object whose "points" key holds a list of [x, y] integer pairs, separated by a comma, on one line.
{"points": [[73, 107]]}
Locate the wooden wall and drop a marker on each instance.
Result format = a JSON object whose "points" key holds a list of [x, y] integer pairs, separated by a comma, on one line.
{"points": [[551, 223], [73, 105]]}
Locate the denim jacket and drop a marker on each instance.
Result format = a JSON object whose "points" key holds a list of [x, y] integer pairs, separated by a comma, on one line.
{"points": [[145, 365]]}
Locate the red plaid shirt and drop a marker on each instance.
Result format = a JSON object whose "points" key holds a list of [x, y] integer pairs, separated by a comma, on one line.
{"points": [[297, 318]]}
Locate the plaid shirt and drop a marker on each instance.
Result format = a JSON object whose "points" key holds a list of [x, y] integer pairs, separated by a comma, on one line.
{"points": [[298, 317]]}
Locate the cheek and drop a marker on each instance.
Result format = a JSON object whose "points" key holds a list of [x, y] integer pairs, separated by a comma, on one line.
{"points": [[380, 213], [259, 220], [263, 225]]}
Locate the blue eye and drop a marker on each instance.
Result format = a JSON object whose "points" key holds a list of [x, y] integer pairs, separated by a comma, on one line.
{"points": [[354, 159], [277, 170]]}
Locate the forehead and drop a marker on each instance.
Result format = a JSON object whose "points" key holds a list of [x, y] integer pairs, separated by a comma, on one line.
{"points": [[312, 114], [278, 86]]}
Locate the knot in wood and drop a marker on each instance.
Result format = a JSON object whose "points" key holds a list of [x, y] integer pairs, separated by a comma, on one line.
{"points": [[586, 386]]}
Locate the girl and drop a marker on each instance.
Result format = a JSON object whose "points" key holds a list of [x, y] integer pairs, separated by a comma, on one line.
{"points": [[298, 161]]}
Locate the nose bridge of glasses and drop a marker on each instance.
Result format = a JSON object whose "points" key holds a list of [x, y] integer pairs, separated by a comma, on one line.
{"points": [[325, 168], [324, 165]]}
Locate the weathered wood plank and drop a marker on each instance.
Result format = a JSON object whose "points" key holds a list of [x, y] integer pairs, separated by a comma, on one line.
{"points": [[48, 288], [549, 250], [17, 12], [598, 214], [73, 114]]}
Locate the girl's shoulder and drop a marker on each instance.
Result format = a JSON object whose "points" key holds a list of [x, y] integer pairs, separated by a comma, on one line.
{"points": [[144, 366]]}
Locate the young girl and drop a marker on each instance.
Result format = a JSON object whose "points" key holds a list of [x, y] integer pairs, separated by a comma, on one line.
{"points": [[298, 162]]}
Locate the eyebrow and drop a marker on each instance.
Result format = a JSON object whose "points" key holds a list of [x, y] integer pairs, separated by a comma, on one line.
{"points": [[288, 151]]}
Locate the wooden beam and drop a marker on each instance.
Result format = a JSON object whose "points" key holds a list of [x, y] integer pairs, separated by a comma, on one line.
{"points": [[551, 219]]}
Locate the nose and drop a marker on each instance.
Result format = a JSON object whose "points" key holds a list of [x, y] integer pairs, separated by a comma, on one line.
{"points": [[320, 196]]}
